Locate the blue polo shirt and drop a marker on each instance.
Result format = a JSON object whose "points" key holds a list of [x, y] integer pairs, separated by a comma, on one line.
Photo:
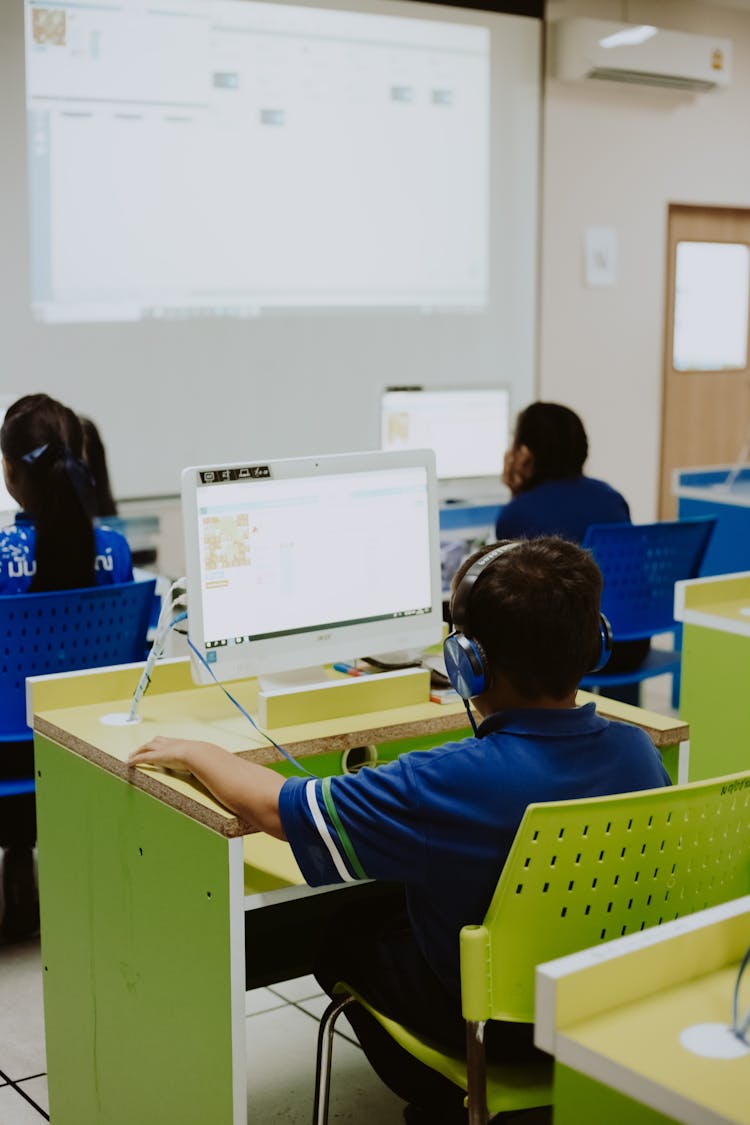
{"points": [[18, 556], [561, 507], [442, 821]]}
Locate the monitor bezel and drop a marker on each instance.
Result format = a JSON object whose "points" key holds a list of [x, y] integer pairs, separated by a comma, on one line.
{"points": [[308, 649], [468, 485]]}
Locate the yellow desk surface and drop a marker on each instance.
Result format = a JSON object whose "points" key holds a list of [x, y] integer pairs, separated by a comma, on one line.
{"points": [[721, 602], [69, 709], [640, 1042]]}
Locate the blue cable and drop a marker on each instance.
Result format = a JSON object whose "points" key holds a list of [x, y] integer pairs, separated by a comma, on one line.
{"points": [[249, 717], [740, 1027]]}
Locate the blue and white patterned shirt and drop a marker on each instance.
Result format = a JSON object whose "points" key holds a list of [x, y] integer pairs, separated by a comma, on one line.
{"points": [[18, 556]]}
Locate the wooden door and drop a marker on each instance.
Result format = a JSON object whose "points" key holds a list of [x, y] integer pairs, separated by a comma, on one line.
{"points": [[705, 413]]}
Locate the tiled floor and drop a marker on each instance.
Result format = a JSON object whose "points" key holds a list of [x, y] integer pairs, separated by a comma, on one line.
{"points": [[281, 1030]]}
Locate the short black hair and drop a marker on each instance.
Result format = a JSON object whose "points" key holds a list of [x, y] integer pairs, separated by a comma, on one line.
{"points": [[557, 438], [535, 613]]}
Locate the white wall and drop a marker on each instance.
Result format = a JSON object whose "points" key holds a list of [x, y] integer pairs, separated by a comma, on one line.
{"points": [[617, 155]]}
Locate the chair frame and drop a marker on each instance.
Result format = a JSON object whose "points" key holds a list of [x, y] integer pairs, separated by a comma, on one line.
{"points": [[578, 873]]}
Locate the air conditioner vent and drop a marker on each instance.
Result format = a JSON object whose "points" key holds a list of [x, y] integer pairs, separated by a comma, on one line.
{"points": [[639, 54], [645, 78]]}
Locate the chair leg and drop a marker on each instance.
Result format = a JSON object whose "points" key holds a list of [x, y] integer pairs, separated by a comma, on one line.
{"points": [[476, 1072], [323, 1057]]}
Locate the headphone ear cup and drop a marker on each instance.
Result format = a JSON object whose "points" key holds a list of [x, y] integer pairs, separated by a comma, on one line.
{"points": [[465, 665], [606, 641]]}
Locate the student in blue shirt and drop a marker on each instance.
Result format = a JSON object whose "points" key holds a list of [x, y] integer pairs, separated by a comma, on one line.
{"points": [[551, 496], [53, 544], [440, 823], [544, 472]]}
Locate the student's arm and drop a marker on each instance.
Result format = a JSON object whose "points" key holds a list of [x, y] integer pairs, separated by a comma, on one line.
{"points": [[250, 790]]}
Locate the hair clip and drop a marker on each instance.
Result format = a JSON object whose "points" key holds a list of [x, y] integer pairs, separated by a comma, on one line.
{"points": [[35, 454]]}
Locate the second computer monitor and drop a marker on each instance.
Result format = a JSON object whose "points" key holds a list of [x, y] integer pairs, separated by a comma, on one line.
{"points": [[467, 427]]}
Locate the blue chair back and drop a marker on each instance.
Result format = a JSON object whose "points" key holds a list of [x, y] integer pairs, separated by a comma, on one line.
{"points": [[66, 631], [640, 564]]}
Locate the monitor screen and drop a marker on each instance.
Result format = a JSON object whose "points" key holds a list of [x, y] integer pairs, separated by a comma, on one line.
{"points": [[467, 428], [295, 563]]}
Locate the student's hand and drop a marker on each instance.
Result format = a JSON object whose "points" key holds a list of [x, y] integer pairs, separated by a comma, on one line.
{"points": [[173, 753], [511, 474], [247, 788], [518, 468]]}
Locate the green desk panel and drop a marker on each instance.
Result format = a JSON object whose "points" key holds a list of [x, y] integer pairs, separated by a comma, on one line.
{"points": [[715, 701], [580, 1100], [136, 953]]}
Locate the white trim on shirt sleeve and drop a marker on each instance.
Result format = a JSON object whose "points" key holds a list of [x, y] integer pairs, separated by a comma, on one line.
{"points": [[325, 835]]}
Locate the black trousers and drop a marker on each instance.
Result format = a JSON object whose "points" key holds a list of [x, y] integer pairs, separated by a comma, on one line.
{"points": [[20, 916], [372, 948], [18, 813]]}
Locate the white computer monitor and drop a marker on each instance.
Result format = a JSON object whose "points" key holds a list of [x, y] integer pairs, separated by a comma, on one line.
{"points": [[467, 427], [296, 563]]}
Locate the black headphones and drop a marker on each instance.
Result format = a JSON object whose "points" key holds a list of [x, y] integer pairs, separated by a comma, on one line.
{"points": [[466, 664]]}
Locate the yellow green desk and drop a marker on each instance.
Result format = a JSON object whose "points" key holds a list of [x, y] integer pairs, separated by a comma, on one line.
{"points": [[153, 897], [715, 692], [622, 1021]]}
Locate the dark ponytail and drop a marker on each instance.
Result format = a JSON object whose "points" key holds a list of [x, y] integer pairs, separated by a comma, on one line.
{"points": [[96, 459], [42, 441]]}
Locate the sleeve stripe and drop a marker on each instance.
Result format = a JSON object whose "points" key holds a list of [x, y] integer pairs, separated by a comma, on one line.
{"points": [[347, 845], [325, 835]]}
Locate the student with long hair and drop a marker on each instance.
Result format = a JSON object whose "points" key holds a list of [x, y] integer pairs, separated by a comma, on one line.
{"points": [[53, 544]]}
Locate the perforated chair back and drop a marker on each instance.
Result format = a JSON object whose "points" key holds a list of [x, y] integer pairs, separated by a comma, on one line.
{"points": [[640, 564], [65, 631], [583, 872]]}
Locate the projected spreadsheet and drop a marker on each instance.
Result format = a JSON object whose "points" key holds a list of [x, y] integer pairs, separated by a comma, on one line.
{"points": [[226, 157]]}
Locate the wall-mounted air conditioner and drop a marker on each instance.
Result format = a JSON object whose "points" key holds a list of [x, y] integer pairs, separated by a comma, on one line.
{"points": [[640, 53]]}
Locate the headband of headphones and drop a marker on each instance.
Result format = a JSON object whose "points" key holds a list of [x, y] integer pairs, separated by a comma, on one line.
{"points": [[462, 593]]}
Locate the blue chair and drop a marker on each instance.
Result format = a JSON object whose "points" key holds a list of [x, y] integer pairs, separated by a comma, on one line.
{"points": [[61, 631], [64, 631], [640, 564]]}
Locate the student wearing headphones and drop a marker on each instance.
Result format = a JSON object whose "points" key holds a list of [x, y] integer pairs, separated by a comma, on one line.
{"points": [[544, 471], [439, 824], [53, 544]]}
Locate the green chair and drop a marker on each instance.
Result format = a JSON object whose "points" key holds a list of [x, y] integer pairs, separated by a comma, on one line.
{"points": [[578, 873]]}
